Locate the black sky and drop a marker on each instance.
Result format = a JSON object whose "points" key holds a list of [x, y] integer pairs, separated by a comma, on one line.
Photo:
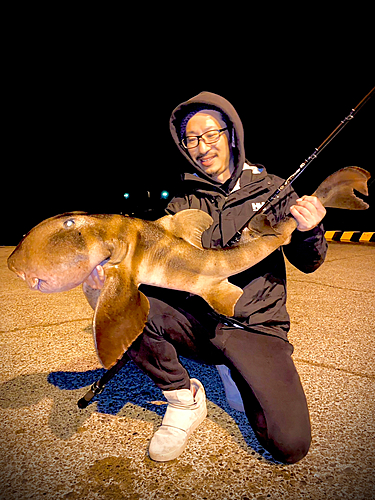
{"points": [[80, 135]]}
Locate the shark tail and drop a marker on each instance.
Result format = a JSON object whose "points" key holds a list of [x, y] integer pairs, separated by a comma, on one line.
{"points": [[337, 191]]}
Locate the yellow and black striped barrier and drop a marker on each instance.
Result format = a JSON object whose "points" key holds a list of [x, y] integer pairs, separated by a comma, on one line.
{"points": [[351, 236]]}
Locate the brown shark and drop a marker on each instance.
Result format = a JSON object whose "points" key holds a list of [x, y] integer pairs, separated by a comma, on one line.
{"points": [[61, 252]]}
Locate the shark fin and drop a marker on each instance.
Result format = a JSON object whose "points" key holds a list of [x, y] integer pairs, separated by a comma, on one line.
{"points": [[222, 296], [188, 225], [120, 315], [261, 226], [337, 190]]}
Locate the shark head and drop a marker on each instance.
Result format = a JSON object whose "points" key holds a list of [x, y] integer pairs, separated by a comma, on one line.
{"points": [[59, 253]]}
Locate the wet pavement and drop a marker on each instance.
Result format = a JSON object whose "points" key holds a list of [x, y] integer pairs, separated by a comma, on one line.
{"points": [[50, 449]]}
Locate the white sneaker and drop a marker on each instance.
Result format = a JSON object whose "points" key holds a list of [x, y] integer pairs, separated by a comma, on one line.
{"points": [[231, 391], [185, 411]]}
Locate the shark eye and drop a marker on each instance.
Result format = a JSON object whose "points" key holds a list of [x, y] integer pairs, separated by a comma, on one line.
{"points": [[69, 223]]}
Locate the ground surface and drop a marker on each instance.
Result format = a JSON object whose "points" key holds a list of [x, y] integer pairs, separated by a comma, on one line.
{"points": [[50, 449]]}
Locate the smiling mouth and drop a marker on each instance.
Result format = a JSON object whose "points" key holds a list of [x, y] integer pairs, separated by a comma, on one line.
{"points": [[206, 161]]}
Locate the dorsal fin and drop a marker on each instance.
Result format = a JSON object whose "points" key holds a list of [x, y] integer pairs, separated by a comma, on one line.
{"points": [[260, 225], [188, 225]]}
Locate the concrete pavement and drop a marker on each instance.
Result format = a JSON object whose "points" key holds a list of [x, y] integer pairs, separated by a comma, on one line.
{"points": [[51, 449]]}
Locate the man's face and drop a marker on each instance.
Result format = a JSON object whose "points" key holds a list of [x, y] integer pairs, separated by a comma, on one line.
{"points": [[213, 159]]}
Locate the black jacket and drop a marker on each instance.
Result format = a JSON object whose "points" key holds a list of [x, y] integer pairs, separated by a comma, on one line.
{"points": [[231, 205]]}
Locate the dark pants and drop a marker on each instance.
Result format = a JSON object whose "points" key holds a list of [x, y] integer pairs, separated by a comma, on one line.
{"points": [[261, 367]]}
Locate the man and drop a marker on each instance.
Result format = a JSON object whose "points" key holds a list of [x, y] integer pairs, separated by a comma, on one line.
{"points": [[253, 345]]}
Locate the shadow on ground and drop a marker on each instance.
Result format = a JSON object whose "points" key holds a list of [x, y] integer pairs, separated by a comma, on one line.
{"points": [[129, 394]]}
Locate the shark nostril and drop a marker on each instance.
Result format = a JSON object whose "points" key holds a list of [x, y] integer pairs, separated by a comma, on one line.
{"points": [[34, 282]]}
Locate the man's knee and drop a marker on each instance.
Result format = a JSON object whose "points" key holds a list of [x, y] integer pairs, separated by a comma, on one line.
{"points": [[291, 449]]}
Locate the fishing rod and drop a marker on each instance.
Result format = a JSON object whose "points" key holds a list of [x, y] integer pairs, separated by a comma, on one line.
{"points": [[317, 150], [99, 385]]}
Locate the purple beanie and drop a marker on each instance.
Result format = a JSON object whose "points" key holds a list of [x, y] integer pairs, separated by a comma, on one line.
{"points": [[194, 111], [184, 122]]}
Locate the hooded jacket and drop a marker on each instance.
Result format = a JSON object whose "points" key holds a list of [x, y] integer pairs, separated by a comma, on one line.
{"points": [[231, 205]]}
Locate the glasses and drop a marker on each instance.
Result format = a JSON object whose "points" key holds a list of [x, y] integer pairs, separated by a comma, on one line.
{"points": [[210, 137]]}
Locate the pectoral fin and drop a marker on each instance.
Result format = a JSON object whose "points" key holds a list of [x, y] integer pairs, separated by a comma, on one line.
{"points": [[222, 296], [120, 315], [337, 190]]}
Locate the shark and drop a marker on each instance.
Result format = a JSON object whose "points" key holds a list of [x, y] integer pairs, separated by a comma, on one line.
{"points": [[61, 252]]}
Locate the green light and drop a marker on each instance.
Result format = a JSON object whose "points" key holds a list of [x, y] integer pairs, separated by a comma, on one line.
{"points": [[126, 196], [164, 195]]}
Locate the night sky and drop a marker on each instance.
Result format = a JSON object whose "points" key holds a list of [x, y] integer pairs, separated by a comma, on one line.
{"points": [[78, 137]]}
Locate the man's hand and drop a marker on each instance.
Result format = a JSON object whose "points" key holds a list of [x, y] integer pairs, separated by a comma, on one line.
{"points": [[308, 212], [96, 279]]}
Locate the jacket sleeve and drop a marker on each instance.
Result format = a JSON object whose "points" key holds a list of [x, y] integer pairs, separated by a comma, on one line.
{"points": [[307, 249]]}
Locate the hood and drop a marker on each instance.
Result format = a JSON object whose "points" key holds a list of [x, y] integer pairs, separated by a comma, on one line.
{"points": [[208, 100]]}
